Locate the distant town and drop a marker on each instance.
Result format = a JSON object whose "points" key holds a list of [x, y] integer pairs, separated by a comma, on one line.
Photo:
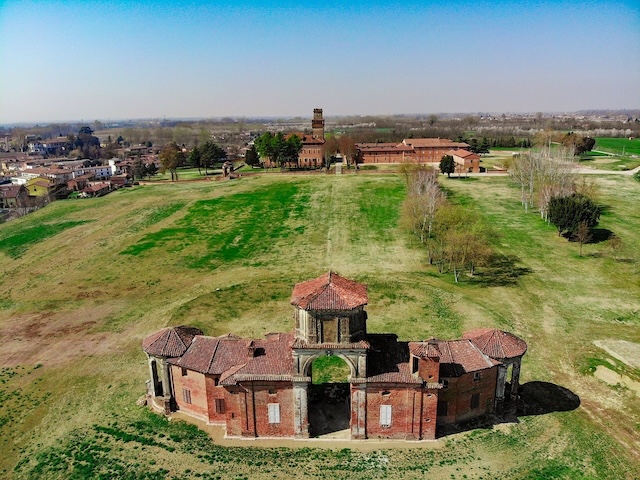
{"points": [[43, 163]]}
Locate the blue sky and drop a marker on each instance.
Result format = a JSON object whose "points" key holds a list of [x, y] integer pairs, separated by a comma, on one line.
{"points": [[73, 60]]}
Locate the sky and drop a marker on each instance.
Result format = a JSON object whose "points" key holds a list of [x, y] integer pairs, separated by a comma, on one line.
{"points": [[109, 60]]}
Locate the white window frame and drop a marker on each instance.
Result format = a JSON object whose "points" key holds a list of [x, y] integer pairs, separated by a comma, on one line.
{"points": [[274, 412], [385, 415], [186, 395]]}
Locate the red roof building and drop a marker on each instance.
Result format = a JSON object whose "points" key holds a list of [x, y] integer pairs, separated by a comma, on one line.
{"points": [[394, 389], [418, 150]]}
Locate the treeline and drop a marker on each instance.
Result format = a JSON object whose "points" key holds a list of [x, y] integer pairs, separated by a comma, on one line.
{"points": [[547, 181], [455, 237]]}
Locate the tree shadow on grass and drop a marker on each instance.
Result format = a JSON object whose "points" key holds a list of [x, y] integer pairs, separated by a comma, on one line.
{"points": [[501, 271], [599, 235]]}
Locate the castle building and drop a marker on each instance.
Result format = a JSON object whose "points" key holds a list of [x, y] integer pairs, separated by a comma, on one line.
{"points": [[312, 153], [395, 389]]}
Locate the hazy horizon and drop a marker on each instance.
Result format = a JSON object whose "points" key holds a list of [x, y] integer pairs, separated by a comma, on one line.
{"points": [[72, 61]]}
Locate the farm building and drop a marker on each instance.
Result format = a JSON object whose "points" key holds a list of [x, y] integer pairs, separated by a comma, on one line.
{"points": [[395, 389], [419, 150]]}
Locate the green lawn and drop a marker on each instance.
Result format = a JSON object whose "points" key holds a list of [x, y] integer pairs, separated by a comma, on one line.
{"points": [[82, 282], [619, 146]]}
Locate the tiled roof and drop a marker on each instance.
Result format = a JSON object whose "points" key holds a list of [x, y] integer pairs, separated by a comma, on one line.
{"points": [[271, 360], [383, 147], [424, 349], [433, 143], [307, 139], [170, 342], [329, 292], [236, 359], [463, 154], [461, 356], [497, 344], [10, 191]]}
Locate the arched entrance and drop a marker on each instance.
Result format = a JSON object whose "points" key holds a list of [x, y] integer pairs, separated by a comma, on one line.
{"points": [[329, 395]]}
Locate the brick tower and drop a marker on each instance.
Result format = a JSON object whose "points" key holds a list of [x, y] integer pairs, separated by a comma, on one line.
{"points": [[317, 124]]}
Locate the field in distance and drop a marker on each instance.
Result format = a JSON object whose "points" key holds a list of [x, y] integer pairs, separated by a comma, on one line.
{"points": [[83, 281]]}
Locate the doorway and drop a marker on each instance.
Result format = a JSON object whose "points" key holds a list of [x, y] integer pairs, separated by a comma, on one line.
{"points": [[329, 396]]}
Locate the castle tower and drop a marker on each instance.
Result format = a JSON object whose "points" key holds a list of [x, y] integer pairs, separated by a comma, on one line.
{"points": [[317, 124]]}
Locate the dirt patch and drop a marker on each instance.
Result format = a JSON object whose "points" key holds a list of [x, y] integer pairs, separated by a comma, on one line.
{"points": [[623, 350], [53, 338], [613, 378]]}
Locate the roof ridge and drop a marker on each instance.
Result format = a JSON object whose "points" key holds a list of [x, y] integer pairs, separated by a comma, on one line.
{"points": [[213, 355]]}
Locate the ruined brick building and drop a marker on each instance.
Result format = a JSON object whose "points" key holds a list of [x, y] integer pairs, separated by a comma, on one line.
{"points": [[400, 390]]}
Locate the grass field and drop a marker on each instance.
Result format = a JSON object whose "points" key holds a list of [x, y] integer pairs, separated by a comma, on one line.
{"points": [[619, 146], [82, 282]]}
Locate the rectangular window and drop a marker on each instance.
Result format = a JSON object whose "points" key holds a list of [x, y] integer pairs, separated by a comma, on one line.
{"points": [[475, 400], [184, 372], [385, 415], [274, 412], [414, 369], [219, 405], [443, 408], [186, 395], [476, 377]]}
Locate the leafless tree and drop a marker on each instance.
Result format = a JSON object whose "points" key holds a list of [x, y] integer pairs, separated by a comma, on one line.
{"points": [[615, 244], [423, 200], [583, 234]]}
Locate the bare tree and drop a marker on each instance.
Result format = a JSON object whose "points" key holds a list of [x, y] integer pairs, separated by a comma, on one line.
{"points": [[347, 148], [423, 200], [615, 244], [542, 174], [583, 234]]}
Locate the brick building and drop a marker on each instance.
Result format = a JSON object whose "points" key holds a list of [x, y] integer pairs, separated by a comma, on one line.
{"points": [[466, 162], [419, 150], [395, 389], [312, 153]]}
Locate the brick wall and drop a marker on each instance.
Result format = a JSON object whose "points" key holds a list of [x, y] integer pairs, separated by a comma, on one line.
{"points": [[195, 384], [459, 392], [216, 400], [247, 411], [412, 412]]}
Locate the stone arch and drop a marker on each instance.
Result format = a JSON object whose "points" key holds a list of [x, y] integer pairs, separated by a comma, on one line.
{"points": [[306, 366]]}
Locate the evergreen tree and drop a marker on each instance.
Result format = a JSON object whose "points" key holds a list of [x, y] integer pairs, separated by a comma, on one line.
{"points": [[447, 165], [567, 213]]}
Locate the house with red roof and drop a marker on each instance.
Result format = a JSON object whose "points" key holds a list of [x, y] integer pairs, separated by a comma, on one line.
{"points": [[394, 390], [466, 162]]}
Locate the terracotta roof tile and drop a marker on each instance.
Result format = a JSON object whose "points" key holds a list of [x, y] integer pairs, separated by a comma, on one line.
{"points": [[424, 349], [329, 292], [463, 154], [461, 356], [497, 344], [433, 143], [11, 191], [170, 342], [235, 358]]}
